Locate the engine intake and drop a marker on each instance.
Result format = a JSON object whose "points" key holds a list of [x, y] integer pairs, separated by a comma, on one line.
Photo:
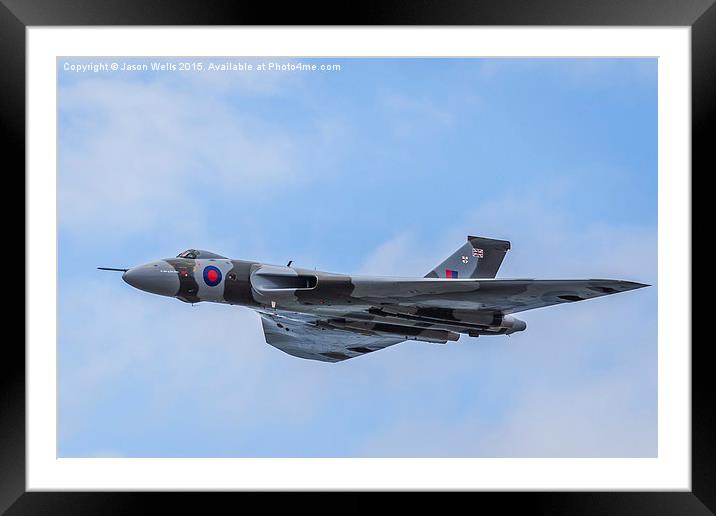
{"points": [[274, 284]]}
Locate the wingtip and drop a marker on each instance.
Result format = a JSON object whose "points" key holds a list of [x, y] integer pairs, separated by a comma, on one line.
{"points": [[618, 285], [633, 285]]}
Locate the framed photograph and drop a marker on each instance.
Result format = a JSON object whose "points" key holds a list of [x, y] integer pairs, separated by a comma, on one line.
{"points": [[247, 226]]}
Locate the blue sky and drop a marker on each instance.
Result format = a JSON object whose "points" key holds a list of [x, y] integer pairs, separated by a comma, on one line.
{"points": [[382, 167]]}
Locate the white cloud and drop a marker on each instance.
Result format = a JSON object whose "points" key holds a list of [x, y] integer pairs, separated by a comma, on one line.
{"points": [[409, 115], [140, 152]]}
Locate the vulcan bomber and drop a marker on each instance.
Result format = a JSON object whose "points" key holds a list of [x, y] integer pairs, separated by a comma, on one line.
{"points": [[333, 317]]}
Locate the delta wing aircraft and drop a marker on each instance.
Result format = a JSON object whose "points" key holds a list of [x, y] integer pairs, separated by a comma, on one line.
{"points": [[333, 317]]}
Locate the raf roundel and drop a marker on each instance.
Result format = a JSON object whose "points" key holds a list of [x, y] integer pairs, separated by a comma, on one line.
{"points": [[212, 276]]}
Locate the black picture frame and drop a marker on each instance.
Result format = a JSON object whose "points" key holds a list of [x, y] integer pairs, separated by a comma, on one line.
{"points": [[16, 15]]}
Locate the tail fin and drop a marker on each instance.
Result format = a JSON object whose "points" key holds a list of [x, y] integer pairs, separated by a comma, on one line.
{"points": [[478, 258]]}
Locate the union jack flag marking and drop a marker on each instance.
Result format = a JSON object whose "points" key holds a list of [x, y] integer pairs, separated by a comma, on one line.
{"points": [[477, 253]]}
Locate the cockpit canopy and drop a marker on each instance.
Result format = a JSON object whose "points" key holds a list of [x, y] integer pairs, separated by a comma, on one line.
{"points": [[193, 254]]}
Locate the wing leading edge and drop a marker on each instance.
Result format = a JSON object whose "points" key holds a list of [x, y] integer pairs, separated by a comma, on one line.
{"points": [[491, 295]]}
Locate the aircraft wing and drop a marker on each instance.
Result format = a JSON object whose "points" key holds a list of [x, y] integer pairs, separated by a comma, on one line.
{"points": [[490, 295], [310, 337], [381, 312]]}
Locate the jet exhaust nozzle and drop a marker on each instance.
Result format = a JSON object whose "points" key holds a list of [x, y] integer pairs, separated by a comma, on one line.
{"points": [[513, 325]]}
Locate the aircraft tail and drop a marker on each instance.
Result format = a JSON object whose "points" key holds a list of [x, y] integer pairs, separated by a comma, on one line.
{"points": [[478, 258]]}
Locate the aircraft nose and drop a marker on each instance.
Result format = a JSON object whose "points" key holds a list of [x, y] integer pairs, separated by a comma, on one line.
{"points": [[155, 277]]}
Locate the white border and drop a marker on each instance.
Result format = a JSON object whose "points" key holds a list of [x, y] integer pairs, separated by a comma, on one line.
{"points": [[671, 470]]}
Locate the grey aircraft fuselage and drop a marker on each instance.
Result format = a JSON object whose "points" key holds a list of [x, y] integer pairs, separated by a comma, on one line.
{"points": [[332, 317], [273, 288]]}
